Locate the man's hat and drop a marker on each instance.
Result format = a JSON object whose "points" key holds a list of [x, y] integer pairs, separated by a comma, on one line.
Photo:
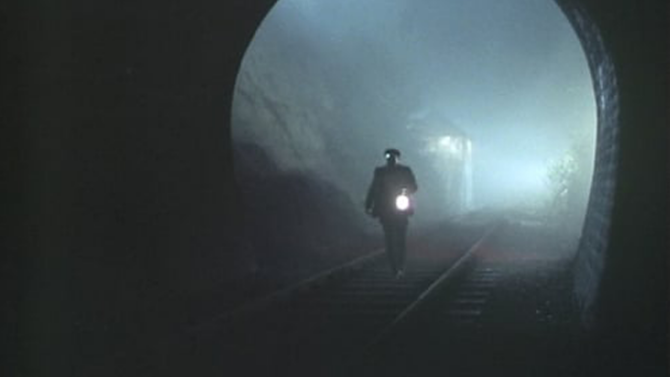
{"points": [[391, 152]]}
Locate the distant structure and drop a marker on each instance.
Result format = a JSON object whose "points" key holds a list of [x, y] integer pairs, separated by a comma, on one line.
{"points": [[454, 152], [449, 150]]}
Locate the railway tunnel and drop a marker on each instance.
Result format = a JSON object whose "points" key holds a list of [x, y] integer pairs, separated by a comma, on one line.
{"points": [[125, 202]]}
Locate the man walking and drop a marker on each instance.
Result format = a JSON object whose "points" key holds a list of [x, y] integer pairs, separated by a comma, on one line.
{"points": [[389, 200]]}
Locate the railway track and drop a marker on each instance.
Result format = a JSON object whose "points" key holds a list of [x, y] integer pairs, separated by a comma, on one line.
{"points": [[319, 326], [473, 290]]}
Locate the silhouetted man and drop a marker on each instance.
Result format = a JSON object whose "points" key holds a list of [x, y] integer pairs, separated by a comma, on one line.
{"points": [[389, 200]]}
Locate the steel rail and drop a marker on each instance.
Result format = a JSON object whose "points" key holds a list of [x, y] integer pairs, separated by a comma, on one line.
{"points": [[430, 292], [261, 303]]}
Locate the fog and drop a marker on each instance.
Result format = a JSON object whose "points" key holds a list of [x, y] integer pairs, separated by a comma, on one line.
{"points": [[326, 86]]}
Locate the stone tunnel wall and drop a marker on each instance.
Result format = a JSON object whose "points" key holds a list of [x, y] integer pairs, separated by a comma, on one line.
{"points": [[590, 260], [301, 209], [620, 272]]}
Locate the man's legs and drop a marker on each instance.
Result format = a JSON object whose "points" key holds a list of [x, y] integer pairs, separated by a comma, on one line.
{"points": [[402, 244], [389, 235], [400, 238], [395, 230]]}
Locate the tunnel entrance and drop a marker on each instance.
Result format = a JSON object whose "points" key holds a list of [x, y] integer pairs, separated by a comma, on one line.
{"points": [[500, 117], [124, 214]]}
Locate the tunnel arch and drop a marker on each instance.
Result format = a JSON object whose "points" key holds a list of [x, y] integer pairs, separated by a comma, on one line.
{"points": [[619, 274], [121, 191], [591, 253], [593, 244]]}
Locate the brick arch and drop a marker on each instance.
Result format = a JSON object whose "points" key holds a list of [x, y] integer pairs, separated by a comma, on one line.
{"points": [[594, 242]]}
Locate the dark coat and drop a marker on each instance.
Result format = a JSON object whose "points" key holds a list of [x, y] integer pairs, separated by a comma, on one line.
{"points": [[387, 183]]}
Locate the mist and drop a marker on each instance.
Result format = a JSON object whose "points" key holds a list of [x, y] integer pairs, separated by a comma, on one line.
{"points": [[491, 102]]}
